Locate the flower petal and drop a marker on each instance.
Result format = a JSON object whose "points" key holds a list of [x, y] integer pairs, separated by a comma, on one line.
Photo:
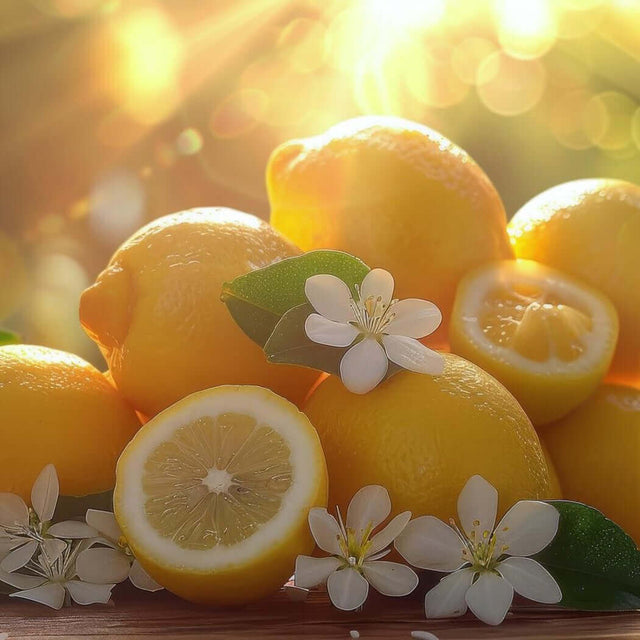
{"points": [[390, 578], [311, 572], [368, 508], [53, 548], [477, 507], [102, 566], [414, 318], [141, 579], [347, 589], [446, 599], [44, 494], [330, 297], [489, 598], [50, 593], [72, 529], [325, 530], [104, 522], [364, 366], [89, 593], [20, 580], [386, 536], [17, 558], [378, 282], [527, 528], [13, 510], [413, 355], [325, 331], [428, 543], [530, 579]]}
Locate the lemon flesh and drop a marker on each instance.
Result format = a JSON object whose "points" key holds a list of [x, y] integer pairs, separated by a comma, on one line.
{"points": [[216, 480], [548, 337], [213, 494]]}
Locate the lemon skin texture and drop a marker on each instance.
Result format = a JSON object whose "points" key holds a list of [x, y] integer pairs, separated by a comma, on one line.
{"points": [[422, 437], [156, 313], [591, 229], [395, 194], [57, 408]]}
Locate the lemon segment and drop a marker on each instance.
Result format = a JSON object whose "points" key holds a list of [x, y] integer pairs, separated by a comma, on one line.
{"points": [[213, 495], [549, 338]]}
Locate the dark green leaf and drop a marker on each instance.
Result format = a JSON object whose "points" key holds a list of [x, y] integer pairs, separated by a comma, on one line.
{"points": [[595, 563], [260, 298], [289, 344], [70, 507], [8, 337]]}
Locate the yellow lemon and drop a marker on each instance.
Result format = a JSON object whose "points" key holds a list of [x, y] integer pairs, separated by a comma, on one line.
{"points": [[591, 229], [596, 452], [56, 408], [422, 437], [555, 490], [213, 494], [397, 195], [156, 313], [548, 337]]}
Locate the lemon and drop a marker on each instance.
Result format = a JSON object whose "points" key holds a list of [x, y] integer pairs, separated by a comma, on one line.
{"points": [[596, 452], [156, 313], [213, 493], [555, 490], [422, 437], [57, 408], [548, 337], [591, 229], [397, 195]]}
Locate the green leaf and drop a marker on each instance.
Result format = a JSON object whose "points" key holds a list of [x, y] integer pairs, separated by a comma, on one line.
{"points": [[8, 337], [290, 344], [258, 300], [70, 507], [595, 563]]}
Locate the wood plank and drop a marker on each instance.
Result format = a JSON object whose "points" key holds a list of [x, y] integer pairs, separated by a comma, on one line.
{"points": [[137, 616]]}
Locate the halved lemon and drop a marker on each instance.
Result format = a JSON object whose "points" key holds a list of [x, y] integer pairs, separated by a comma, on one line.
{"points": [[212, 494], [548, 337]]}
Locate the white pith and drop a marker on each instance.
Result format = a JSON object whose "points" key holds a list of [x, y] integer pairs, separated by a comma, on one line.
{"points": [[266, 408], [571, 294]]}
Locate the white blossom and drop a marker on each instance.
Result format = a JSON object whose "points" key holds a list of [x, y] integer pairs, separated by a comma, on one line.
{"points": [[24, 531], [115, 563], [355, 563], [486, 563], [52, 582], [376, 327]]}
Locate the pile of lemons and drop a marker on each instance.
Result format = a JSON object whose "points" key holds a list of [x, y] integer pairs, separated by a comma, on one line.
{"points": [[540, 393]]}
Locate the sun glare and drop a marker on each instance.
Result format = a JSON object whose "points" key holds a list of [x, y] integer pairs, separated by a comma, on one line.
{"points": [[526, 28]]}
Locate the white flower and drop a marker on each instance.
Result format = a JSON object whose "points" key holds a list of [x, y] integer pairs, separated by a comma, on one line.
{"points": [[379, 328], [488, 563], [116, 563], [355, 563], [24, 531], [54, 581]]}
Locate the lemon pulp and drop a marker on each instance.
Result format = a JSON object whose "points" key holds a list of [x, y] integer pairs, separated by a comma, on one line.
{"points": [[535, 323], [216, 480]]}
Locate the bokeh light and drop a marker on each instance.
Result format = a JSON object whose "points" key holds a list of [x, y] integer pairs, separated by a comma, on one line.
{"points": [[119, 112]]}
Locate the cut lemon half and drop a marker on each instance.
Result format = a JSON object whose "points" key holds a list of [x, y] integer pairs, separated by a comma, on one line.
{"points": [[548, 337], [212, 494]]}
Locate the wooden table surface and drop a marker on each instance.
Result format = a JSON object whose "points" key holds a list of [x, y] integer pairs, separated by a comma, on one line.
{"points": [[134, 615]]}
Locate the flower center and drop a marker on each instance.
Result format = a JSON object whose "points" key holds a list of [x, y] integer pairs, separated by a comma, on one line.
{"points": [[479, 551], [354, 548], [372, 314]]}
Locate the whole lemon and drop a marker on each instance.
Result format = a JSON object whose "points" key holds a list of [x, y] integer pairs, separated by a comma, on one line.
{"points": [[422, 437], [56, 408], [156, 313], [397, 195], [596, 452], [591, 229]]}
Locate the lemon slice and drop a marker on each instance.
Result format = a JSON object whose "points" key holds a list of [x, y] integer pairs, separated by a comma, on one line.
{"points": [[212, 495], [548, 337]]}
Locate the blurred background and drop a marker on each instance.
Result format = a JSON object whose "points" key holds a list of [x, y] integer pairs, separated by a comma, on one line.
{"points": [[115, 112]]}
